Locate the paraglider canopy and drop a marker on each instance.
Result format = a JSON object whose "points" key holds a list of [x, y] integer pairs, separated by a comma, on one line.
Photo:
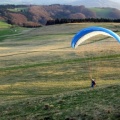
{"points": [[89, 32]]}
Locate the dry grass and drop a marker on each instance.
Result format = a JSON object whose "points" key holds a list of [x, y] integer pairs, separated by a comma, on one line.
{"points": [[40, 63]]}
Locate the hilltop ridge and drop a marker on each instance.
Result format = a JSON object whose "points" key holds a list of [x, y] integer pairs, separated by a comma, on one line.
{"points": [[97, 3]]}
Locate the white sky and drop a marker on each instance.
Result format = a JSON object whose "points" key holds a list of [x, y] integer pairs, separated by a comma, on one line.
{"points": [[40, 1]]}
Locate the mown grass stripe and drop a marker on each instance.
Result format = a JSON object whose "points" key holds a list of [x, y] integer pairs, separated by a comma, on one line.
{"points": [[62, 62]]}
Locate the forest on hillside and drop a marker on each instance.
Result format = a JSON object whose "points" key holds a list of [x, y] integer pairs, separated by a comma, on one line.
{"points": [[38, 15]]}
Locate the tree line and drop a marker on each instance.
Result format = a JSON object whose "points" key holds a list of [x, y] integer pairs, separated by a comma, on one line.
{"points": [[62, 21]]}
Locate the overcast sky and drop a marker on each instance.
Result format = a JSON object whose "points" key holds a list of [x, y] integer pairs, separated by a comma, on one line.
{"points": [[40, 1]]}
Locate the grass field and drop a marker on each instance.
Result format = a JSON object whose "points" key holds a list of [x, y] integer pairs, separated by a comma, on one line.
{"points": [[20, 9], [4, 25], [99, 12], [42, 77]]}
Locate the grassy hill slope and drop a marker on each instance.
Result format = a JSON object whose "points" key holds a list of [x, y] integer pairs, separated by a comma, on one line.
{"points": [[106, 12], [42, 77], [102, 13], [4, 25], [100, 103]]}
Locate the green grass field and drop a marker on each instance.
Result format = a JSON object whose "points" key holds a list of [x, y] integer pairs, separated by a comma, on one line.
{"points": [[102, 13], [4, 25], [19, 9], [42, 77]]}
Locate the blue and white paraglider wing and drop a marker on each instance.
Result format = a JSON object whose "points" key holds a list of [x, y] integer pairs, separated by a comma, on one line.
{"points": [[89, 32]]}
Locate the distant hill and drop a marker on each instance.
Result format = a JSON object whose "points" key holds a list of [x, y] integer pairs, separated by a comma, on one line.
{"points": [[35, 16], [110, 13], [97, 3]]}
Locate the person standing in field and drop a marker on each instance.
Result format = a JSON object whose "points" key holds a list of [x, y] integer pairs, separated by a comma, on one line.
{"points": [[93, 83]]}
